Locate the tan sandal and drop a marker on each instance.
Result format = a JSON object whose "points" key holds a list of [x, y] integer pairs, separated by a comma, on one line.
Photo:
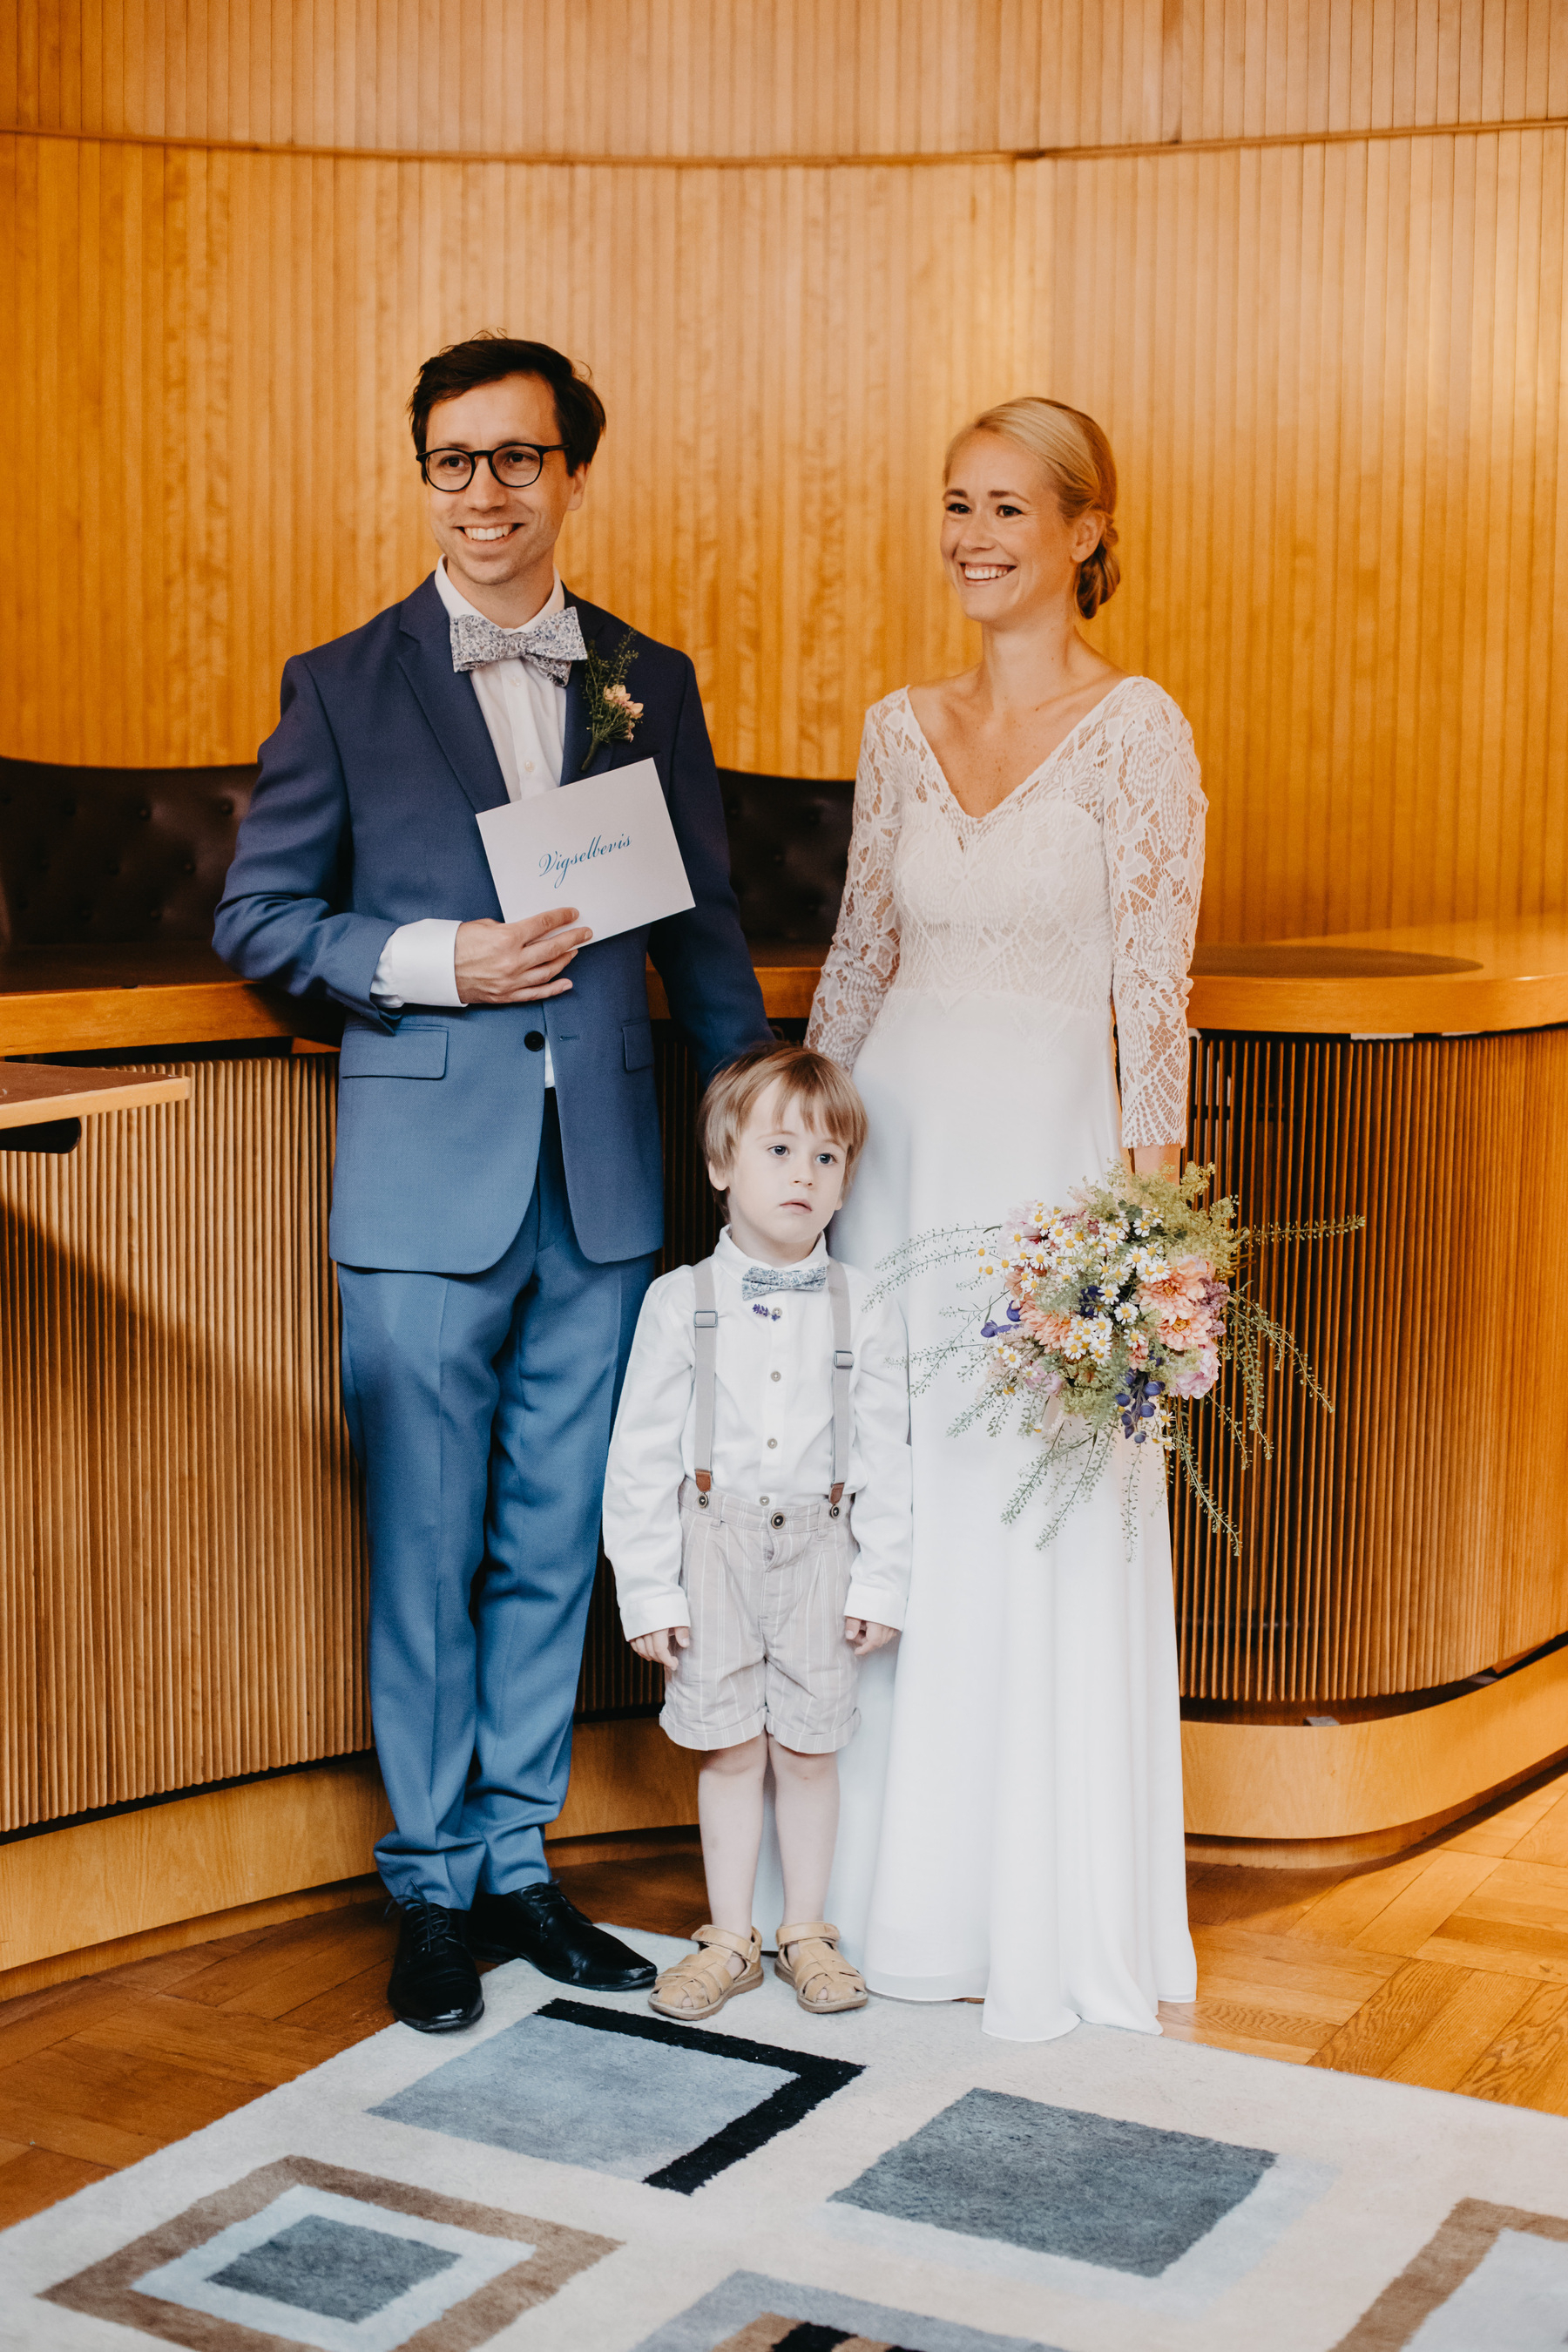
{"points": [[704, 1976], [822, 1979]]}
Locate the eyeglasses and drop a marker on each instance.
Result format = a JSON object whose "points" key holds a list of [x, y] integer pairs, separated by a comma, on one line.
{"points": [[515, 465]]}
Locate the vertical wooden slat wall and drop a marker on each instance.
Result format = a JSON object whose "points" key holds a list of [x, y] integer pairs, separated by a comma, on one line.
{"points": [[1305, 259], [182, 1582], [1413, 1536], [182, 1588]]}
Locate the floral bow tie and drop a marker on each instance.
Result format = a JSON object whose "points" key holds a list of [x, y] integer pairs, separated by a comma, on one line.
{"points": [[551, 644], [758, 1280]]}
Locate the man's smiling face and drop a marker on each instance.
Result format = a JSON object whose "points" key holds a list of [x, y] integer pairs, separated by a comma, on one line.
{"points": [[499, 543]]}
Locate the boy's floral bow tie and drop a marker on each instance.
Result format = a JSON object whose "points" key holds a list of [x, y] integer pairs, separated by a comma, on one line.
{"points": [[551, 644], [758, 1280]]}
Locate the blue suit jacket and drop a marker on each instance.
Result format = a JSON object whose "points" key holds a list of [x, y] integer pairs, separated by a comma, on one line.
{"points": [[363, 819]]}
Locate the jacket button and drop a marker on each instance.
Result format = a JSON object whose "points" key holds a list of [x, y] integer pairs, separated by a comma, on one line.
{"points": [[534, 1041]]}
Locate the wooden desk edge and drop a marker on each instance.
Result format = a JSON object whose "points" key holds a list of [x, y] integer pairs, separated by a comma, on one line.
{"points": [[1441, 1004], [182, 1013], [91, 1102]]}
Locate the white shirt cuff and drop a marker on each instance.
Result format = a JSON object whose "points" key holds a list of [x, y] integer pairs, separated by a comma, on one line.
{"points": [[654, 1613], [419, 966], [884, 1604]]}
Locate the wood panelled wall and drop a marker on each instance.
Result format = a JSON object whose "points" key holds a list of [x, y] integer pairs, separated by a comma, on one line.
{"points": [[757, 78], [1319, 309], [183, 1588]]}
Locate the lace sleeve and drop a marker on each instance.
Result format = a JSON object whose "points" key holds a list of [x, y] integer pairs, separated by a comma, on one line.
{"points": [[1154, 813], [865, 951]]}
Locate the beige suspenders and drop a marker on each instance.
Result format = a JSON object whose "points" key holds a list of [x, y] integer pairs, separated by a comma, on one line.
{"points": [[704, 1348], [705, 1351]]}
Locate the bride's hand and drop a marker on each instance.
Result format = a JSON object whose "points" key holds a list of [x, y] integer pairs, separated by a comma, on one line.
{"points": [[864, 1633], [663, 1648]]}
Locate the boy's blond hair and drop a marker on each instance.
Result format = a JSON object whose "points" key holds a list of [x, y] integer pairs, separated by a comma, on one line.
{"points": [[807, 1081]]}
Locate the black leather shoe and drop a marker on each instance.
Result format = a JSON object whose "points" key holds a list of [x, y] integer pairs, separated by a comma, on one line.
{"points": [[537, 1923], [434, 1984]]}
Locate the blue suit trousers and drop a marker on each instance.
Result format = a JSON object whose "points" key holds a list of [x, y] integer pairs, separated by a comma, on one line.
{"points": [[480, 1406]]}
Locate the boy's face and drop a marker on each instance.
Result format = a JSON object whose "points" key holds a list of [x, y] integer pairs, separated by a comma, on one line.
{"points": [[787, 1181]]}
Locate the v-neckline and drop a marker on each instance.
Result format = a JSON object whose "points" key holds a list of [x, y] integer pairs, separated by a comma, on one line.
{"points": [[1133, 678]]}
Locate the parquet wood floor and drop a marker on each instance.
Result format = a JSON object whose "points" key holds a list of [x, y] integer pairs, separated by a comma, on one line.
{"points": [[1447, 1966]]}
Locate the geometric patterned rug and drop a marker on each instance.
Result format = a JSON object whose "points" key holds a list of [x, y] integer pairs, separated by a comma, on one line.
{"points": [[577, 2175]]}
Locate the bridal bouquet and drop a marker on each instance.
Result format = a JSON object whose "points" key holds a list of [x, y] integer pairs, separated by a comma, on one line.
{"points": [[1110, 1316]]}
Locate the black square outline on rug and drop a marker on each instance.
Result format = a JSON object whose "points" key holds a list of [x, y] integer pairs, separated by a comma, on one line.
{"points": [[815, 2079]]}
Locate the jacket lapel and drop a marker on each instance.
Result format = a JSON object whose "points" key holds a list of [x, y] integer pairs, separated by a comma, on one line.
{"points": [[447, 699]]}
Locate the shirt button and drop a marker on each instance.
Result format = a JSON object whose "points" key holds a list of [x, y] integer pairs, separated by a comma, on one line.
{"points": [[776, 1376], [762, 1498], [773, 1442]]}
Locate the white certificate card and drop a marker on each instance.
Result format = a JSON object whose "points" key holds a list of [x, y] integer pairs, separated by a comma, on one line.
{"points": [[605, 847]]}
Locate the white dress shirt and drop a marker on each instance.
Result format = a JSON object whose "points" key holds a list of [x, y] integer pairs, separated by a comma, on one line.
{"points": [[772, 1432], [525, 712]]}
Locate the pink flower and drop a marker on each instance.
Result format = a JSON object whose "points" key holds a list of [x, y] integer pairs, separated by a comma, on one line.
{"points": [[620, 700], [1196, 1376], [1050, 1330]]}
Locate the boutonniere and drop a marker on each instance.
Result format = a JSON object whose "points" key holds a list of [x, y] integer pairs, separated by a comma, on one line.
{"points": [[612, 713]]}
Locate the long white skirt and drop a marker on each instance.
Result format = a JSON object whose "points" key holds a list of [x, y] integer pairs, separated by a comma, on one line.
{"points": [[1012, 1803]]}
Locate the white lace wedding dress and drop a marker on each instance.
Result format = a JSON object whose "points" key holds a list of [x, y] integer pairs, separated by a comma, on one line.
{"points": [[1012, 1803]]}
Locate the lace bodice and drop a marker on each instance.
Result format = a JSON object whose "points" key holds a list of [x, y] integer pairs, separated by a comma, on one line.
{"points": [[1081, 889]]}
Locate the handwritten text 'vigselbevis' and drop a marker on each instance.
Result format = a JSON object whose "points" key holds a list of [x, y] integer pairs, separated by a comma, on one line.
{"points": [[556, 865]]}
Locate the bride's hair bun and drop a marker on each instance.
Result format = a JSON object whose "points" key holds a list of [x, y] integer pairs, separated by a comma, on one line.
{"points": [[1075, 452]]}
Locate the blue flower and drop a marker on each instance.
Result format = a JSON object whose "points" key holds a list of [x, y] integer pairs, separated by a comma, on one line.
{"points": [[988, 1330], [1012, 1310]]}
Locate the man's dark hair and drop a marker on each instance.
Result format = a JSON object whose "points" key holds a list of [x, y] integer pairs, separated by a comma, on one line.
{"points": [[486, 358]]}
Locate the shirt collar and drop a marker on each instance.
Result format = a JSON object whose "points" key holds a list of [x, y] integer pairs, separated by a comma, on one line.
{"points": [[457, 603], [736, 1261]]}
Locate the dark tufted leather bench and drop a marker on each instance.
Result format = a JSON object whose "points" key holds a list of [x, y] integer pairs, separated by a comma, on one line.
{"points": [[113, 854]]}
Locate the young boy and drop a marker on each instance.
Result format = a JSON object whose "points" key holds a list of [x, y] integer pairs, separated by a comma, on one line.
{"points": [[757, 1514]]}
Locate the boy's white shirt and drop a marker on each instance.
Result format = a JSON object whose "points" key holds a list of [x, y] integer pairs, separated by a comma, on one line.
{"points": [[652, 1447]]}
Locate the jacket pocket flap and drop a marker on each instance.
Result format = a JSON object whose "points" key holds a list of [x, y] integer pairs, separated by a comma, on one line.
{"points": [[405, 1054], [637, 1036]]}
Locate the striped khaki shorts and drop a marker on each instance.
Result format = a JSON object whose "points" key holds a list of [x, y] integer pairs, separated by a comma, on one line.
{"points": [[766, 1590]]}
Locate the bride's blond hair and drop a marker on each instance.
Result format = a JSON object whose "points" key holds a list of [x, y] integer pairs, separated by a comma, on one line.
{"points": [[1073, 451]]}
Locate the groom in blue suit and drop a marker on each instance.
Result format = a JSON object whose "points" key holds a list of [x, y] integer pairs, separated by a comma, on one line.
{"points": [[497, 1206]]}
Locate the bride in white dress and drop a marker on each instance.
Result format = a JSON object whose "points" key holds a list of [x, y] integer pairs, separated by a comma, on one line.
{"points": [[1027, 854]]}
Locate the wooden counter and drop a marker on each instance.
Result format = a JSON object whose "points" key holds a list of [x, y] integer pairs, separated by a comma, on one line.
{"points": [[106, 999], [1435, 981], [182, 1578]]}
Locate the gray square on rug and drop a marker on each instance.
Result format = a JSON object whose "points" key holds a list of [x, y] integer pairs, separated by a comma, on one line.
{"points": [[340, 2270], [1058, 2181], [637, 2096]]}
